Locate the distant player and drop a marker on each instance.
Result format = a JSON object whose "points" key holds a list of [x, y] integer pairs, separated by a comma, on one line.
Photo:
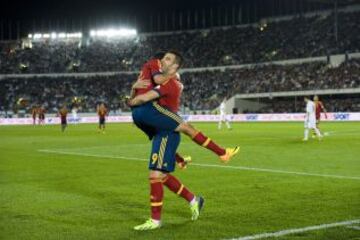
{"points": [[63, 112], [41, 113], [223, 115], [319, 107], [75, 108], [102, 112], [310, 119], [34, 111]]}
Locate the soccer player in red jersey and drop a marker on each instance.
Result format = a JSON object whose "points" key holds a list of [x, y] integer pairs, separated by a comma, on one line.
{"points": [[63, 112], [102, 112], [169, 67], [151, 75], [163, 157], [34, 113], [168, 95], [41, 112], [319, 107]]}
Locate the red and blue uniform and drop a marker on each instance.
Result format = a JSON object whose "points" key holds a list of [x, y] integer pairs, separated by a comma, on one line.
{"points": [[166, 142], [63, 116], [158, 119], [152, 117], [102, 112]]}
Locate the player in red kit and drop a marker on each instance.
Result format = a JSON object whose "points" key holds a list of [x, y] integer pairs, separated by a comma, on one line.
{"points": [[150, 76], [63, 117], [163, 157], [102, 112], [34, 113], [319, 108], [41, 112], [162, 116], [177, 124]]}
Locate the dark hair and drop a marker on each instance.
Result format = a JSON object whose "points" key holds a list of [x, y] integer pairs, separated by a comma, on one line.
{"points": [[159, 55], [178, 57]]}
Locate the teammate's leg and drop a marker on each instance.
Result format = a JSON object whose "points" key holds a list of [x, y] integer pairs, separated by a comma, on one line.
{"points": [[204, 141]]}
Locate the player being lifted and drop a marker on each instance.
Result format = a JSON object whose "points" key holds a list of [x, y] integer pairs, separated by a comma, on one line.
{"points": [[310, 120], [102, 112], [151, 70], [319, 107], [152, 114], [223, 116]]}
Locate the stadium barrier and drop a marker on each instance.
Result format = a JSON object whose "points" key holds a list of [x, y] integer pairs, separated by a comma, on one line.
{"points": [[275, 117]]}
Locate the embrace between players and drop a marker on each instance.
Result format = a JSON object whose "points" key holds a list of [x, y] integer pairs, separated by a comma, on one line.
{"points": [[155, 101]]}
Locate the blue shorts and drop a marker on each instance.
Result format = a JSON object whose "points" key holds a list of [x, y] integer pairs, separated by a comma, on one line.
{"points": [[164, 146], [101, 121], [152, 118]]}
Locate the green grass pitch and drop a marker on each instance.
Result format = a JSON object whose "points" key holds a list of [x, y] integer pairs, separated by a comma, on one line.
{"points": [[84, 185]]}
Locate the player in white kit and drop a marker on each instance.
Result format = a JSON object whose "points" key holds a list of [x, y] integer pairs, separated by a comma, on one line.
{"points": [[223, 116], [310, 119]]}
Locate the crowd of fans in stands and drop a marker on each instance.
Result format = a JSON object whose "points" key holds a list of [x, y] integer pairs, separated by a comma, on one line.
{"points": [[202, 90], [296, 38], [299, 37]]}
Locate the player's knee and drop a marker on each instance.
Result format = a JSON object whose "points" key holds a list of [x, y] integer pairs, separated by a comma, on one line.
{"points": [[157, 175]]}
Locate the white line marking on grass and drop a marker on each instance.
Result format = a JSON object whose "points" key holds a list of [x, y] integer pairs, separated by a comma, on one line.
{"points": [[354, 227], [204, 165], [92, 155], [296, 230]]}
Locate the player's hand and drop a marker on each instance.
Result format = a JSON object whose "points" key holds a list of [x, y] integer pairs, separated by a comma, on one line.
{"points": [[141, 83]]}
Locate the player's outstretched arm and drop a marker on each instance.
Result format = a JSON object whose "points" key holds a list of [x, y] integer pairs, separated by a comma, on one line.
{"points": [[143, 98]]}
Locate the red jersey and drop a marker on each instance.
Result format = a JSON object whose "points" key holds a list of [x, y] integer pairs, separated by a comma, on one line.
{"points": [[41, 112], [148, 71], [63, 114], [170, 93], [34, 112], [102, 112], [318, 109]]}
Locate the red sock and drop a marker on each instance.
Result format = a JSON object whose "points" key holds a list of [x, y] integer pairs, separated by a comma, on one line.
{"points": [[156, 197], [178, 158], [204, 141], [174, 185]]}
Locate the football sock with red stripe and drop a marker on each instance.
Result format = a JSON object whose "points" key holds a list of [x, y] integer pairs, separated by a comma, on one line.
{"points": [[204, 141], [156, 197], [174, 185]]}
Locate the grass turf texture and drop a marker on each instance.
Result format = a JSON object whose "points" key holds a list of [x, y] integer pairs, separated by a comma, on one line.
{"points": [[87, 192]]}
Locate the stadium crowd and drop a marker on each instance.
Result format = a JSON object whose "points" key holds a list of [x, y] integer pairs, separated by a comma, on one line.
{"points": [[299, 37], [51, 93], [202, 90]]}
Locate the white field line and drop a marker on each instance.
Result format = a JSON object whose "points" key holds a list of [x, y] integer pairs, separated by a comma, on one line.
{"points": [[297, 230], [203, 165], [354, 227]]}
